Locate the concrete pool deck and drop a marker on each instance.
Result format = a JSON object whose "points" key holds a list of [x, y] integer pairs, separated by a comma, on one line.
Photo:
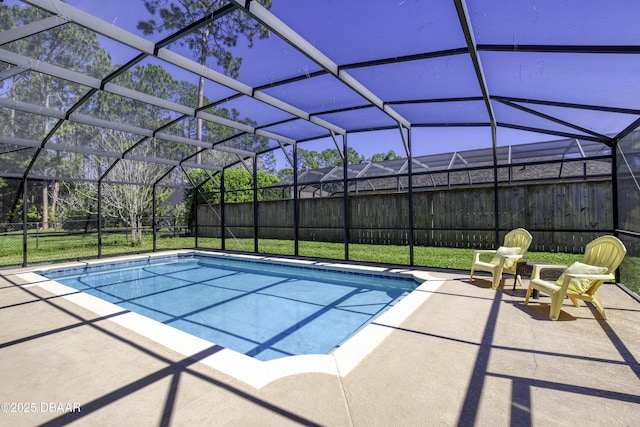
{"points": [[468, 355]]}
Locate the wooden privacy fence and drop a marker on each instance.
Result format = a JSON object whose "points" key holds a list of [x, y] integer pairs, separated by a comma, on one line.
{"points": [[561, 216]]}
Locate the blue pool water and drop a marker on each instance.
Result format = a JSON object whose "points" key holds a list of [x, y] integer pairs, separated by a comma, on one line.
{"points": [[263, 309]]}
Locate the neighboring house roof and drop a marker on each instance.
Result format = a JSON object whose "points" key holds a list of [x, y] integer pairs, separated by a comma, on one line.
{"points": [[527, 162]]}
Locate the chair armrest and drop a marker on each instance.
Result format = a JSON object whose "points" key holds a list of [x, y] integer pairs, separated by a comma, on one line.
{"points": [[569, 277], [513, 258], [537, 269], [592, 276], [478, 252]]}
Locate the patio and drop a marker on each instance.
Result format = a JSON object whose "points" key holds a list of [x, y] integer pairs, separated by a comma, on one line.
{"points": [[468, 356]]}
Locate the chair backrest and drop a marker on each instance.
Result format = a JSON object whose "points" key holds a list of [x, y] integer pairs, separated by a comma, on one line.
{"points": [[605, 251], [519, 238]]}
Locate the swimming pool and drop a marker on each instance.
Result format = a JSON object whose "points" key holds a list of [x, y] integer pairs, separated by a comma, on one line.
{"points": [[263, 309], [256, 373]]}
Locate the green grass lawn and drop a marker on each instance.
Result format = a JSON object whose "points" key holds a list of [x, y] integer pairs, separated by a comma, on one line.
{"points": [[85, 246]]}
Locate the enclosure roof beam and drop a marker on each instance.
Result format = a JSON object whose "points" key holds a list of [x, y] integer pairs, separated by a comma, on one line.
{"points": [[149, 48], [244, 163], [20, 142], [286, 154], [163, 176], [94, 83], [181, 140], [436, 100], [626, 131], [107, 124], [194, 165], [552, 132], [10, 72], [17, 33], [404, 141], [205, 20], [214, 180], [406, 58], [218, 146], [271, 135], [328, 175], [225, 122], [232, 150], [79, 118], [465, 23], [108, 181], [194, 67], [38, 177], [379, 165], [45, 68], [404, 167], [567, 105], [364, 170], [552, 119], [338, 148], [28, 143], [60, 8], [545, 48], [149, 99], [270, 21], [582, 153], [26, 107], [419, 163]]}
